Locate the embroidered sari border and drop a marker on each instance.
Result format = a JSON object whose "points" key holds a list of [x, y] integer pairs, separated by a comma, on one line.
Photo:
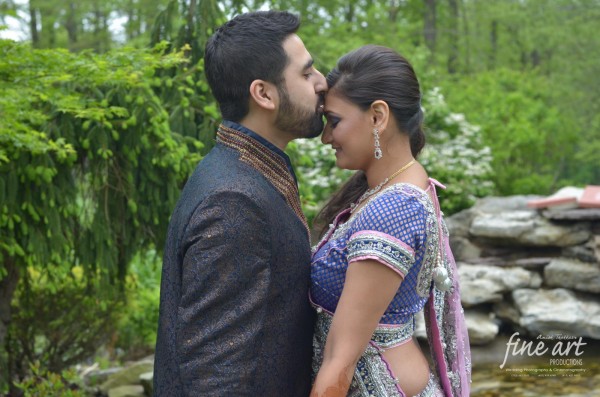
{"points": [[381, 247]]}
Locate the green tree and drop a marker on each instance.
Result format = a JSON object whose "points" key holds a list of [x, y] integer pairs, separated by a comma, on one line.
{"points": [[89, 166], [531, 141]]}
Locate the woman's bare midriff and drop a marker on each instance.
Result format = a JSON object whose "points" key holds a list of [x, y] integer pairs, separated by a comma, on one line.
{"points": [[409, 366]]}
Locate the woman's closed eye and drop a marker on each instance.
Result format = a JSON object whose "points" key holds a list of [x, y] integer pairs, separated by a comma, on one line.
{"points": [[332, 121]]}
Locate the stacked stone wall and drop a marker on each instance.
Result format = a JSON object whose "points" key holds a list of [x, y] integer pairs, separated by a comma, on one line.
{"points": [[532, 271]]}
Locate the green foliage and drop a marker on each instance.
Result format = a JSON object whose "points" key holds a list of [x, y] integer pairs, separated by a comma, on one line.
{"points": [[90, 167], [531, 140], [88, 161], [60, 318], [136, 331], [42, 383]]}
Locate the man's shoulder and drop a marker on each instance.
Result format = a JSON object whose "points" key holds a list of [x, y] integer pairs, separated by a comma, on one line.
{"points": [[222, 172]]}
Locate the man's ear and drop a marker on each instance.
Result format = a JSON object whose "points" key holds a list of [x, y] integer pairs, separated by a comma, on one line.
{"points": [[380, 114], [264, 94]]}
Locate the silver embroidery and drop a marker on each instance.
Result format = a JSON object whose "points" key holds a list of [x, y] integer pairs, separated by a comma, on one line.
{"points": [[389, 251], [372, 377], [341, 230], [432, 235]]}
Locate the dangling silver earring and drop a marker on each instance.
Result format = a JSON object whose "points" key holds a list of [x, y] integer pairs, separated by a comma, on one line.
{"points": [[378, 152]]}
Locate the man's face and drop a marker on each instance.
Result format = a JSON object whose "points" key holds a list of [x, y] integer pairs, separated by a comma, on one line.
{"points": [[300, 110]]}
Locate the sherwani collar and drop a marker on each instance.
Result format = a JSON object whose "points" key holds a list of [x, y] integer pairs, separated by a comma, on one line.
{"points": [[267, 159], [264, 142]]}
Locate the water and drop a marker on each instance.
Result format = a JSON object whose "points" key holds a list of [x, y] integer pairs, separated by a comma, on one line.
{"points": [[531, 375]]}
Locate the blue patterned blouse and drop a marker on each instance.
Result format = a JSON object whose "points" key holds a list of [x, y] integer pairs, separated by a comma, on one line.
{"points": [[398, 228]]}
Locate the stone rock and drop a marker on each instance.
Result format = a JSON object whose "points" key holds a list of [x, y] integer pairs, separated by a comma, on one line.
{"points": [[587, 252], [496, 205], [473, 293], [99, 376], [481, 283], [527, 228], [463, 249], [533, 263], [481, 327], [573, 274], [507, 312], [505, 225], [489, 261], [458, 224], [558, 311], [420, 330], [127, 391], [146, 380], [128, 376], [574, 214], [511, 253]]}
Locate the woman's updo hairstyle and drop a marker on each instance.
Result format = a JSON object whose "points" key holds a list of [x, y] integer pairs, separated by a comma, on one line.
{"points": [[373, 73], [363, 76]]}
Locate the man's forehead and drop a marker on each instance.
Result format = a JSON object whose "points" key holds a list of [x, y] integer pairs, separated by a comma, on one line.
{"points": [[297, 53]]}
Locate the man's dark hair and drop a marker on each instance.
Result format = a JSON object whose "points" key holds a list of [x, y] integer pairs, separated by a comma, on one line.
{"points": [[247, 48]]}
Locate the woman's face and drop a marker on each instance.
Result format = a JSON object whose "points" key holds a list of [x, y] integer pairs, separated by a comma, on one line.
{"points": [[349, 130]]}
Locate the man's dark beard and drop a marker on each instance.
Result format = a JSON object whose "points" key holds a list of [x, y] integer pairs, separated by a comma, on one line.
{"points": [[300, 122]]}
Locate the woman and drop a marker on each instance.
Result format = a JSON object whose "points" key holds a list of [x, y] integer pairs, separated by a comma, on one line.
{"points": [[385, 256]]}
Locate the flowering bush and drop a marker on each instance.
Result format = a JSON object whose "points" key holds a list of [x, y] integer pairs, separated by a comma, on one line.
{"points": [[318, 176], [454, 155]]}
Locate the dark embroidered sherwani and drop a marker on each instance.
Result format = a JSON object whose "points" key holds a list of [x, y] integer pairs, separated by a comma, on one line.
{"points": [[234, 313]]}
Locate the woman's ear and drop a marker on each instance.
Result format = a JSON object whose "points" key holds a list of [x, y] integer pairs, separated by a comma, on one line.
{"points": [[380, 113], [264, 94]]}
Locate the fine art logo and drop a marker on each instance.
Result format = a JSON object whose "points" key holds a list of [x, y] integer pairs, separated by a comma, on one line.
{"points": [[562, 350]]}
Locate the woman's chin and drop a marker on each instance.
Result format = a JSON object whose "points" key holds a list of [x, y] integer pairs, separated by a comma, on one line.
{"points": [[343, 165]]}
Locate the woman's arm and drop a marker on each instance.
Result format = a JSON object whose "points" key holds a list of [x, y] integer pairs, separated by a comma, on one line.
{"points": [[368, 290]]}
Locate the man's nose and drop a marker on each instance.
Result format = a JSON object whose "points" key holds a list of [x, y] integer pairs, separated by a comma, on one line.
{"points": [[321, 85]]}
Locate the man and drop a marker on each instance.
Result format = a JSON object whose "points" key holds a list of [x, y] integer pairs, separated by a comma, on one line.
{"points": [[234, 313]]}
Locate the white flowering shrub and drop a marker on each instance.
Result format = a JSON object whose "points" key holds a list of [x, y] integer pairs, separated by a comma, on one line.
{"points": [[318, 176], [454, 155]]}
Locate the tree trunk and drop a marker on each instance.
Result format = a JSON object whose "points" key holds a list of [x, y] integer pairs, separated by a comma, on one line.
{"points": [[536, 58], [47, 33], [350, 12], [191, 17], [71, 24], [393, 11], [493, 43], [429, 30], [467, 40], [33, 22], [101, 33], [8, 284], [453, 36], [133, 21]]}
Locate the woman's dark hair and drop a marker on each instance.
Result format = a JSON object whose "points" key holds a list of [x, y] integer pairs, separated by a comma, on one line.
{"points": [[363, 76], [246, 48]]}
